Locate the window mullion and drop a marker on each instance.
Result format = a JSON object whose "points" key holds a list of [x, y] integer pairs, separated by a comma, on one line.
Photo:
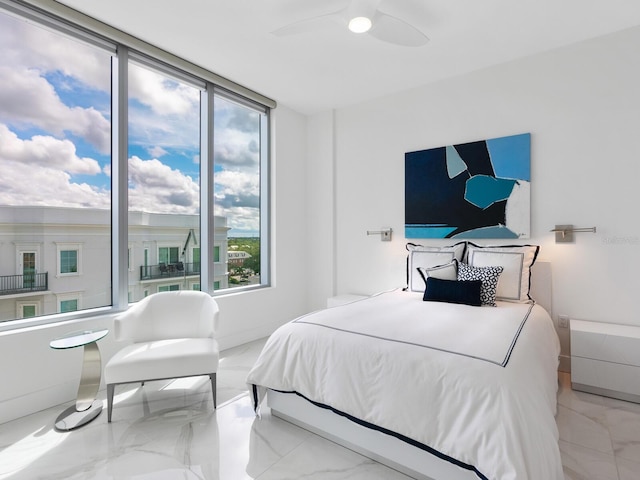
{"points": [[207, 226], [119, 192]]}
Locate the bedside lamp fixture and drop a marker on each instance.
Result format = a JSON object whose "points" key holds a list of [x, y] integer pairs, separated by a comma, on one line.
{"points": [[384, 232], [564, 233]]}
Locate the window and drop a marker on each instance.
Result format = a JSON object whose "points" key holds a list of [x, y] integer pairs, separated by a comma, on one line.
{"points": [[28, 310], [178, 130], [168, 255], [68, 305], [164, 167], [195, 256], [239, 160], [55, 158], [69, 261], [168, 288]]}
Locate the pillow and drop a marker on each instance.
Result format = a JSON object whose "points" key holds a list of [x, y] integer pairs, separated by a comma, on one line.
{"points": [[453, 291], [427, 257], [443, 272], [516, 260], [489, 277]]}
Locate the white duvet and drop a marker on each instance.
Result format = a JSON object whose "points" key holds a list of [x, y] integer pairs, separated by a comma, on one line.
{"points": [[476, 384]]}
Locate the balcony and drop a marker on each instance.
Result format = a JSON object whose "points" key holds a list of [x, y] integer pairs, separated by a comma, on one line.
{"points": [[171, 270], [32, 282]]}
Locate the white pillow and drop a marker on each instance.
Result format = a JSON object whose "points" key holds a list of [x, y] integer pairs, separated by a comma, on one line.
{"points": [[516, 261], [448, 271], [421, 256]]}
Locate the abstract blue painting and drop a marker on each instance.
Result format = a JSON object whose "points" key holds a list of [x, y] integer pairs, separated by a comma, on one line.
{"points": [[471, 190]]}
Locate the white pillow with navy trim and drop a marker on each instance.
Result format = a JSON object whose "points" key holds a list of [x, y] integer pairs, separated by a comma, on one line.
{"points": [[516, 261], [421, 256]]}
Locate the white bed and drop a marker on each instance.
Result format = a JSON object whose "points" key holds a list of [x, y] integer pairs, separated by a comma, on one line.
{"points": [[469, 394]]}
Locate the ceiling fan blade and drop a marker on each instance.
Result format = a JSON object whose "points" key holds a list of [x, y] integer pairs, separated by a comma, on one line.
{"points": [[313, 24], [393, 30]]}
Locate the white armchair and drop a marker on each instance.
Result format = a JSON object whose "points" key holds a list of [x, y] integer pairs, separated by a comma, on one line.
{"points": [[172, 335]]}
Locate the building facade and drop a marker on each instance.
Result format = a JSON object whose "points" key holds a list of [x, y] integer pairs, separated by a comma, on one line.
{"points": [[58, 259]]}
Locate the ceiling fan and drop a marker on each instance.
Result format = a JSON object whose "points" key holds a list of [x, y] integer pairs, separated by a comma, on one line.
{"points": [[361, 17]]}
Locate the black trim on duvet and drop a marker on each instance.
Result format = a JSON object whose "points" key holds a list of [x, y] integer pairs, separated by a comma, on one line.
{"points": [[386, 431], [501, 364]]}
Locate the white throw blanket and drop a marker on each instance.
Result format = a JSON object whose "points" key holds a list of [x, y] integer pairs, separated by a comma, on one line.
{"points": [[477, 384]]}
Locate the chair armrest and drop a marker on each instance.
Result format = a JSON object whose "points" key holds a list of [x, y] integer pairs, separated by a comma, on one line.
{"points": [[126, 324]]}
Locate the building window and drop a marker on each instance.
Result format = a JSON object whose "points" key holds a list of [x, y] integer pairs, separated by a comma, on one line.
{"points": [[68, 305], [69, 259], [28, 310], [177, 130], [168, 255], [169, 288], [130, 258]]}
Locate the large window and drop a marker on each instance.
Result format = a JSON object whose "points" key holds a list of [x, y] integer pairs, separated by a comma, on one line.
{"points": [[87, 126], [238, 159], [55, 159], [164, 174]]}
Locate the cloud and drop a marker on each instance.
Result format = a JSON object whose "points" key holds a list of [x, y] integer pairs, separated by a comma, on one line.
{"points": [[39, 172], [236, 189], [45, 152], [155, 187], [240, 219], [236, 149], [25, 45], [163, 95], [157, 152], [28, 99], [243, 119]]}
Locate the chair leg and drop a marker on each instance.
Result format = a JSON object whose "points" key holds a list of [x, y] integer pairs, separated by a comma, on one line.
{"points": [[213, 389], [110, 391]]}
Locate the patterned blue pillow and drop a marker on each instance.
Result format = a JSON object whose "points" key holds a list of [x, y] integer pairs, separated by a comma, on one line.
{"points": [[489, 277]]}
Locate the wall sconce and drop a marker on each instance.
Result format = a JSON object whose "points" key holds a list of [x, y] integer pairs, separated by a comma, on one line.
{"points": [[564, 233], [384, 232]]}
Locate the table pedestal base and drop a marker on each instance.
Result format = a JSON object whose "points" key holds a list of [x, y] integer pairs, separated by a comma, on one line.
{"points": [[72, 418]]}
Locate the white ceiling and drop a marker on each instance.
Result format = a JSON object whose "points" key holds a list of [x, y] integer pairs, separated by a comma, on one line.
{"points": [[317, 71]]}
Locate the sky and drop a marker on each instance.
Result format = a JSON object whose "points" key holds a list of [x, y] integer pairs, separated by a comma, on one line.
{"points": [[55, 133]]}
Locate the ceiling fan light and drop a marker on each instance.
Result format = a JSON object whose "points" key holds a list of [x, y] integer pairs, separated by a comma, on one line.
{"points": [[359, 24]]}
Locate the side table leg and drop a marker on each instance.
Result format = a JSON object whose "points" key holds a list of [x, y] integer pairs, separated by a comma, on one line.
{"points": [[86, 407], [90, 377]]}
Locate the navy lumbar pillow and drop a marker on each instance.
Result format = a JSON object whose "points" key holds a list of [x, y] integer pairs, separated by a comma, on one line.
{"points": [[466, 292]]}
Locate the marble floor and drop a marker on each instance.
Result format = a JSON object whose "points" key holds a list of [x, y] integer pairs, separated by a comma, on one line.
{"points": [[168, 430]]}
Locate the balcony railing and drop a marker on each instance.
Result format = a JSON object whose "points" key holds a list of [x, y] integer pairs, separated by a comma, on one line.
{"points": [[31, 282], [170, 270]]}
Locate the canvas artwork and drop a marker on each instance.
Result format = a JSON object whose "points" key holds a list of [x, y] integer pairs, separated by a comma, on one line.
{"points": [[471, 190]]}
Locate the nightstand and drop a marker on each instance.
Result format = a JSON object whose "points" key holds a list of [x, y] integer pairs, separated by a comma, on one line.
{"points": [[605, 359]]}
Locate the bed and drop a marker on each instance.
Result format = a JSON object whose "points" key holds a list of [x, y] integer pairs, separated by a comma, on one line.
{"points": [[433, 389]]}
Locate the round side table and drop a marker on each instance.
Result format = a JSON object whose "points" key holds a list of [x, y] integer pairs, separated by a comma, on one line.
{"points": [[86, 407]]}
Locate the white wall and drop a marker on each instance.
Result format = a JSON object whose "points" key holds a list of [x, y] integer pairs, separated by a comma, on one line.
{"points": [[34, 377], [581, 105]]}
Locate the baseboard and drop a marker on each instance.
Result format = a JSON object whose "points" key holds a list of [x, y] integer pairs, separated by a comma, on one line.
{"points": [[32, 402]]}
